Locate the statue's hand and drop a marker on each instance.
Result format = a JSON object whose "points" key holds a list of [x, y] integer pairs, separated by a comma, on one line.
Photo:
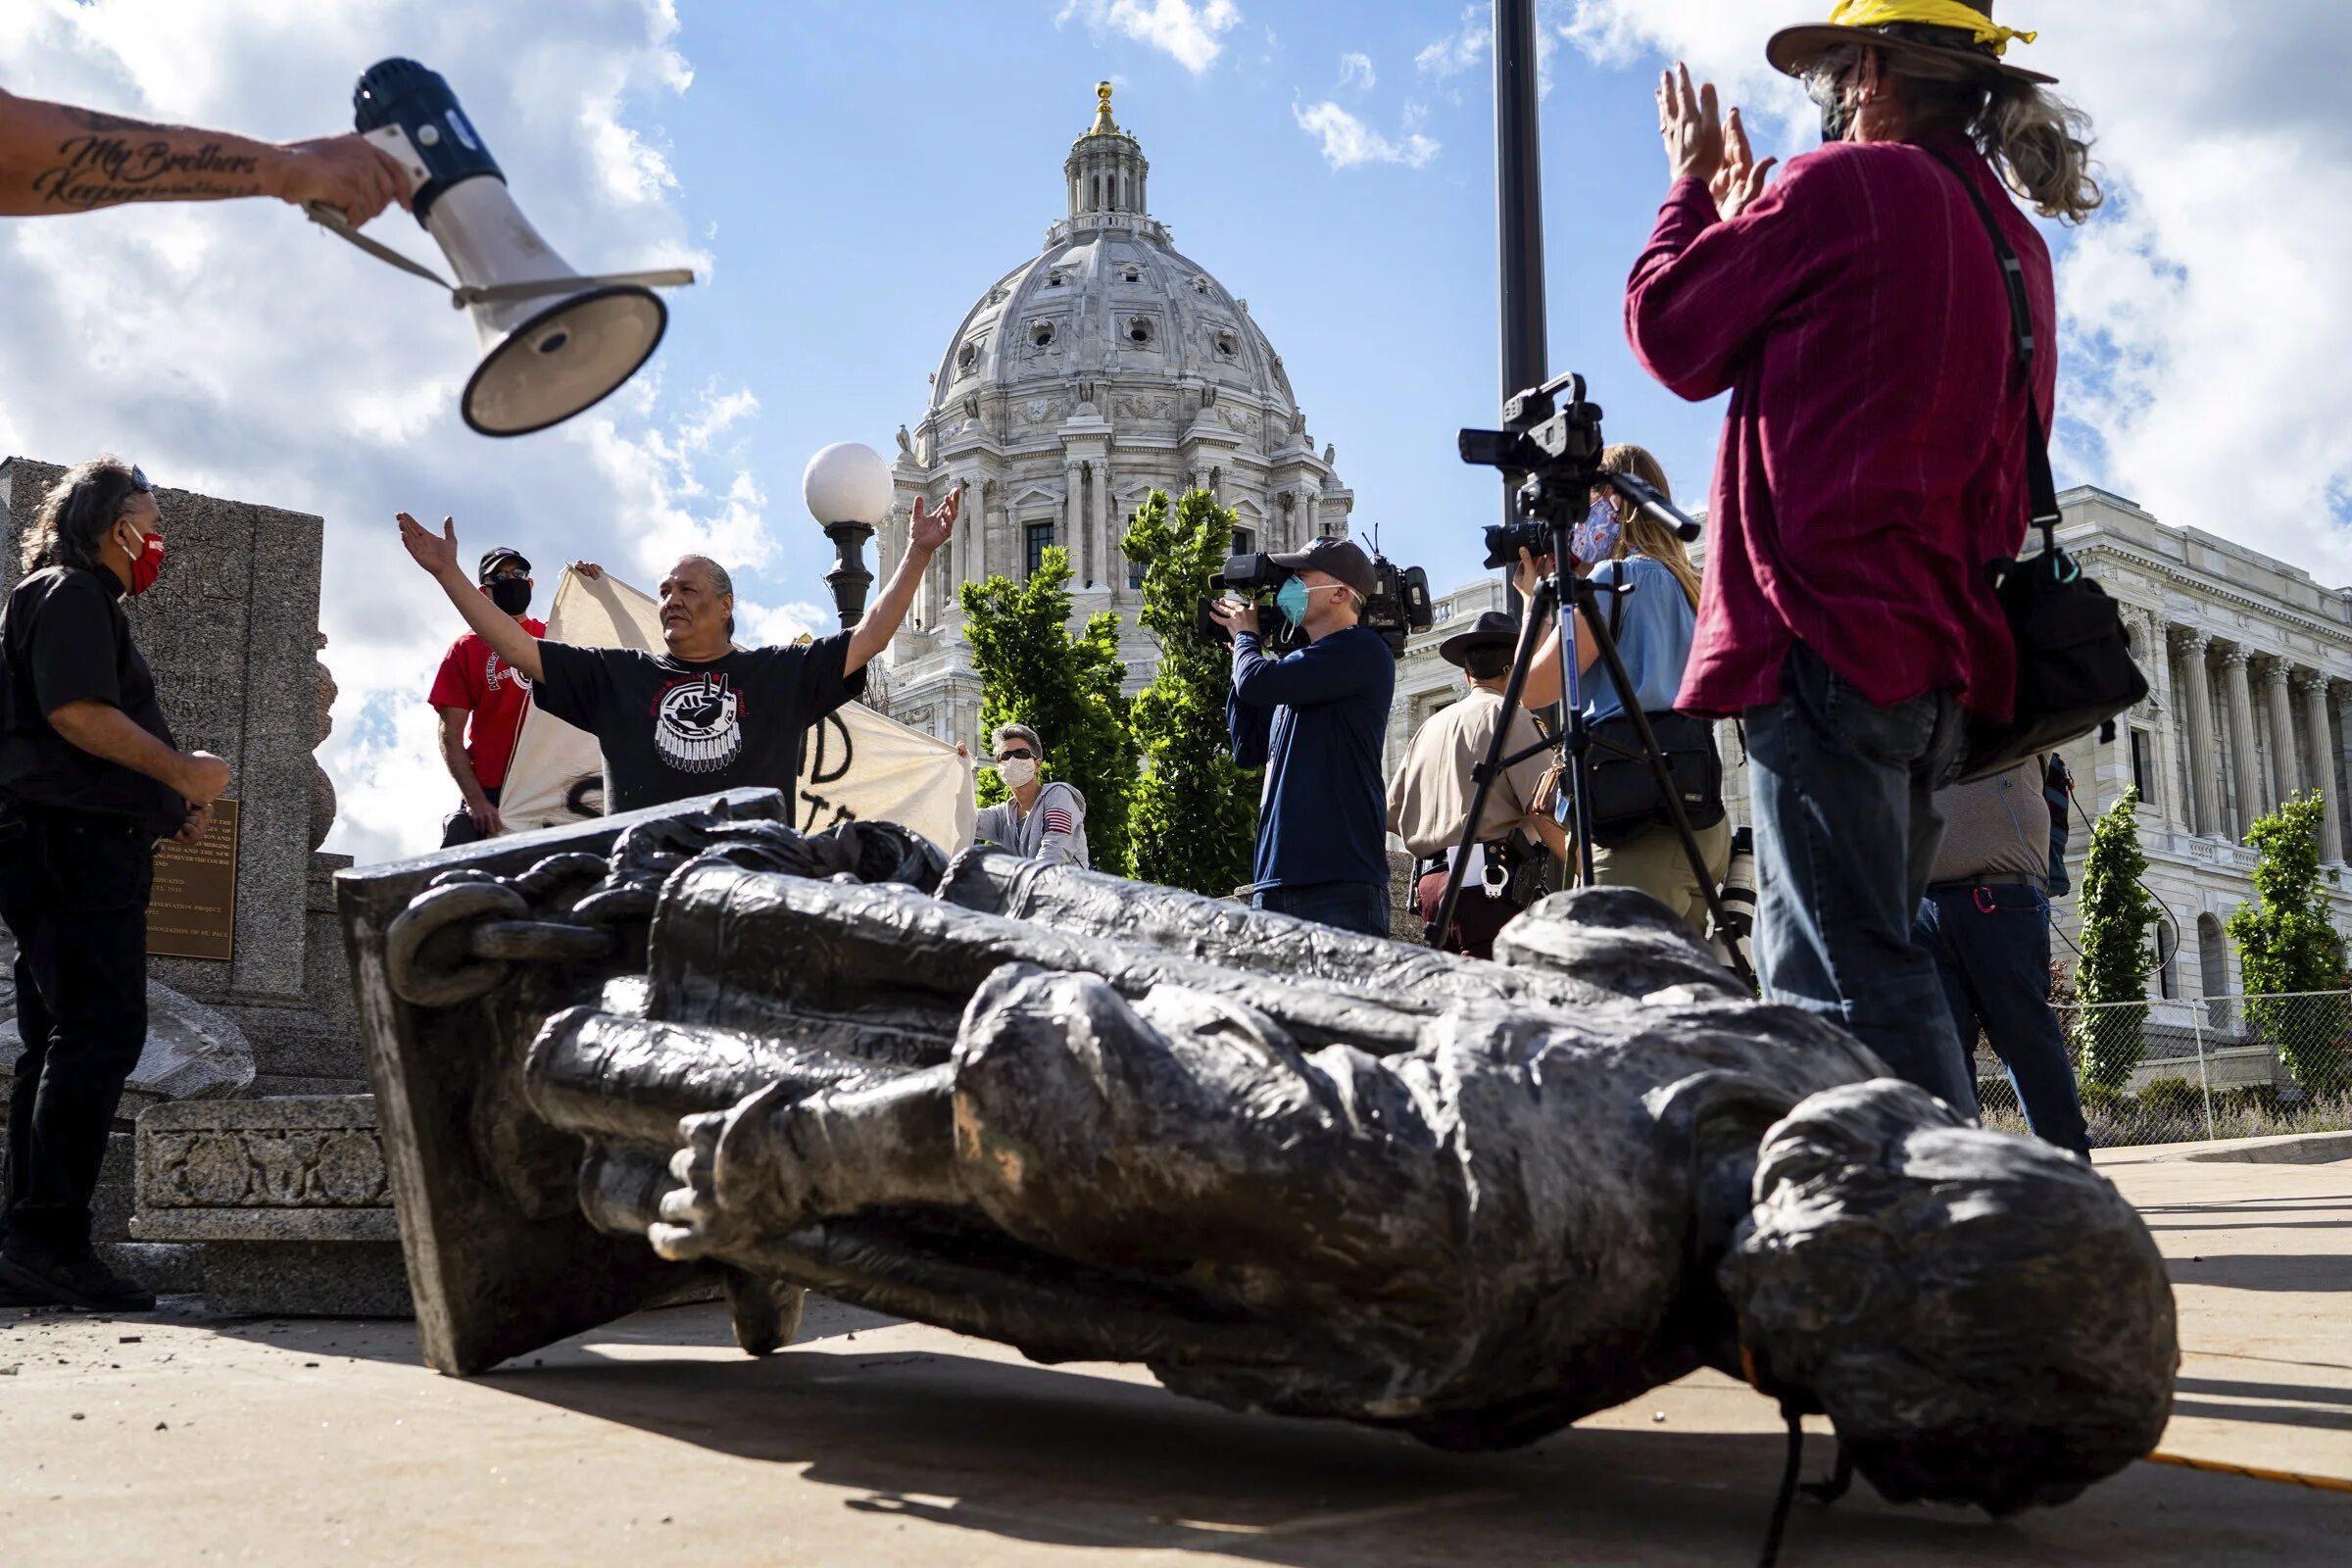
{"points": [[691, 1225], [738, 1179]]}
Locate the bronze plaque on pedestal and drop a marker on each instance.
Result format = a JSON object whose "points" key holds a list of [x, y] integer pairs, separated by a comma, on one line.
{"points": [[193, 911]]}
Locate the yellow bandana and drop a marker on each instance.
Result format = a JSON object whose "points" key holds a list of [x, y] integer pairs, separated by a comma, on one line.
{"points": [[1980, 28]]}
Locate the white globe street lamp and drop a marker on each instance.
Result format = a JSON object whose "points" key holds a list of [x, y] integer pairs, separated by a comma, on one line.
{"points": [[846, 487]]}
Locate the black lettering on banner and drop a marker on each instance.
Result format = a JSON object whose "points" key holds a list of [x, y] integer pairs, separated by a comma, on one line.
{"points": [[584, 797], [821, 737]]}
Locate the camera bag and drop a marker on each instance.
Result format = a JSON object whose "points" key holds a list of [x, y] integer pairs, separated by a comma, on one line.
{"points": [[2074, 661]]}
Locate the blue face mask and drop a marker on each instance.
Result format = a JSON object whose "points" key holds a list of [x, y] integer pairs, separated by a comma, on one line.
{"points": [[1291, 600], [1595, 540]]}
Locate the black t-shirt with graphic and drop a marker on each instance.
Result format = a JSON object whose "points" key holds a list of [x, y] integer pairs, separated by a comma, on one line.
{"points": [[672, 729]]}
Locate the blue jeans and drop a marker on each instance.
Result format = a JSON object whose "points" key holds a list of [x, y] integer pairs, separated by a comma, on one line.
{"points": [[1843, 794], [1359, 906], [1992, 947]]}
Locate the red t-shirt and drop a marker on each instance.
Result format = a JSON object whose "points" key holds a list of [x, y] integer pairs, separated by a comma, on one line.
{"points": [[494, 692]]}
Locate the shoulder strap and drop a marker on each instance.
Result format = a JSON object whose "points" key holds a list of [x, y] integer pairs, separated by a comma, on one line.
{"points": [[2043, 487]]}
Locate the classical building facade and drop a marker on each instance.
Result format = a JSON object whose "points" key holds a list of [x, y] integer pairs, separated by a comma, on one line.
{"points": [[2249, 664], [1106, 365]]}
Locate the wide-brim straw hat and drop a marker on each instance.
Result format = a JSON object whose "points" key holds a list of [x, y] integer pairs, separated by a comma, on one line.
{"points": [[1795, 50]]}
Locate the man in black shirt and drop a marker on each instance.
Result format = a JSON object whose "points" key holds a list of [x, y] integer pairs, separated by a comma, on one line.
{"points": [[90, 777], [703, 715]]}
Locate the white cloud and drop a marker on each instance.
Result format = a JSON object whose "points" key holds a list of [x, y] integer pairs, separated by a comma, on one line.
{"points": [[1349, 142], [768, 625], [1460, 49], [2203, 311], [1355, 69], [1185, 30], [1470, 43], [235, 350]]}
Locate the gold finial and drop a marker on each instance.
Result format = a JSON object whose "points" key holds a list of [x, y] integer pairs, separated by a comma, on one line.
{"points": [[1103, 125]]}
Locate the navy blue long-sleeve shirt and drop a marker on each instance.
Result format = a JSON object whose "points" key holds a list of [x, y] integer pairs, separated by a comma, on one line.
{"points": [[1316, 719]]}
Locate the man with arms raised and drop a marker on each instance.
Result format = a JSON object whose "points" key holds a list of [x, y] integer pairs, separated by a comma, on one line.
{"points": [[703, 715]]}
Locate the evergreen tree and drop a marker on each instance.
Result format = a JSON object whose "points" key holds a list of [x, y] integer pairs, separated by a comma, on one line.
{"points": [[1195, 812], [2287, 944], [2117, 914], [1034, 672]]}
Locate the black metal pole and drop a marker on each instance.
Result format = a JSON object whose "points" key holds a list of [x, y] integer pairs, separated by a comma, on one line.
{"points": [[849, 578], [1519, 215]]}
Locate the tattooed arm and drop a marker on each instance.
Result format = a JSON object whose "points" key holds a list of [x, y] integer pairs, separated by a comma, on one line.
{"points": [[58, 159]]}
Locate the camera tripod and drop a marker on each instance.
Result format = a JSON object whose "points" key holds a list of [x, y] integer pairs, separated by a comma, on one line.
{"points": [[1545, 495]]}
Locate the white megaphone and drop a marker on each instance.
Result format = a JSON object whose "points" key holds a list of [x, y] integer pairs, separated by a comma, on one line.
{"points": [[557, 342]]}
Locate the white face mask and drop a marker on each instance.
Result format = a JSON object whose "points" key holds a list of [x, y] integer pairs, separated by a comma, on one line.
{"points": [[1018, 772]]}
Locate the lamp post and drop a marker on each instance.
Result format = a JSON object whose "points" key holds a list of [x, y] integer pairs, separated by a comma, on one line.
{"points": [[846, 487]]}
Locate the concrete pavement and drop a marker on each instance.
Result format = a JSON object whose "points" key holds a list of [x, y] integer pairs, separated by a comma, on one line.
{"points": [[174, 1439]]}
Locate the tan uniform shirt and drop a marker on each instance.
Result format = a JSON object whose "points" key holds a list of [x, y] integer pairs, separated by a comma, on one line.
{"points": [[1429, 799]]}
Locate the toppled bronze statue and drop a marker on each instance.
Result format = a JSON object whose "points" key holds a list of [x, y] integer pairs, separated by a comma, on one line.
{"points": [[1288, 1169]]}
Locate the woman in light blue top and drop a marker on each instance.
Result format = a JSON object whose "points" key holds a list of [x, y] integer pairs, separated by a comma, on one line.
{"points": [[1654, 622]]}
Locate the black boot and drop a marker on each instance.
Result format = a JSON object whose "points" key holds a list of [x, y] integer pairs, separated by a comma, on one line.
{"points": [[37, 1276]]}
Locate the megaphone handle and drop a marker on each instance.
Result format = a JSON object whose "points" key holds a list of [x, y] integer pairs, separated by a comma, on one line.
{"points": [[334, 223]]}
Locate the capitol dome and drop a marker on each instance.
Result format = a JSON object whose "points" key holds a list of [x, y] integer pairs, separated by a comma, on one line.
{"points": [[1104, 366]]}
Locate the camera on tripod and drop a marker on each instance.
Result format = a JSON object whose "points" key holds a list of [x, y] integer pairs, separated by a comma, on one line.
{"points": [[1560, 449], [1399, 605]]}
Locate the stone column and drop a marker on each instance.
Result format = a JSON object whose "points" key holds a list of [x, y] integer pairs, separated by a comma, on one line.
{"points": [[1073, 523], [2339, 755], [2204, 757], [1114, 561], [2237, 706], [2287, 769], [2313, 687]]}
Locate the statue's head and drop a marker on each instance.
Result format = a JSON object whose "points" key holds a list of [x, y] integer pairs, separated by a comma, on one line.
{"points": [[1982, 1316]]}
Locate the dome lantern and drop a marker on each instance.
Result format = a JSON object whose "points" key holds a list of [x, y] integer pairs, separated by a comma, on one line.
{"points": [[1106, 169]]}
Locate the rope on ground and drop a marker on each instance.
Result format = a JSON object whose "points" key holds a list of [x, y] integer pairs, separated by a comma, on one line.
{"points": [[2250, 1472]]}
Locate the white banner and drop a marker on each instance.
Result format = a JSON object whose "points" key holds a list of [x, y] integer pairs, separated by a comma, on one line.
{"points": [[855, 764]]}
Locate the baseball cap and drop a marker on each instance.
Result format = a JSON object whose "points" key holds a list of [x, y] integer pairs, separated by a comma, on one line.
{"points": [[1343, 558], [491, 560]]}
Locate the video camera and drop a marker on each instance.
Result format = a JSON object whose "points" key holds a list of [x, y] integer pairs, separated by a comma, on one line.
{"points": [[1559, 451], [1399, 605]]}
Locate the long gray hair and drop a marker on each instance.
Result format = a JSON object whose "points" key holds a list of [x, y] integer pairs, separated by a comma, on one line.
{"points": [[77, 514], [2038, 141]]}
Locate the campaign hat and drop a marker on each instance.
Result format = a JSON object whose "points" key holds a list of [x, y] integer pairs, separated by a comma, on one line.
{"points": [[1495, 629]]}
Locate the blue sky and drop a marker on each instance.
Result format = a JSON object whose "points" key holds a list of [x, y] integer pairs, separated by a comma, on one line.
{"points": [[850, 176], [892, 179]]}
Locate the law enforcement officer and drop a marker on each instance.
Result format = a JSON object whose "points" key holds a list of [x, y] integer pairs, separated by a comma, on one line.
{"points": [[90, 777], [1429, 799]]}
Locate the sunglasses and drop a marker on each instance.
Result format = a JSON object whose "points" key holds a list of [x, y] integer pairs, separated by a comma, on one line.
{"points": [[138, 480], [1021, 751]]}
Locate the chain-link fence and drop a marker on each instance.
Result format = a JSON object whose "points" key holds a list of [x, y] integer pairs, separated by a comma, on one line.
{"points": [[2161, 1071]]}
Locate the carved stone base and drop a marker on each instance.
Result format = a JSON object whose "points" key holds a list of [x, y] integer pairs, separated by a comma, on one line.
{"points": [[288, 1199]]}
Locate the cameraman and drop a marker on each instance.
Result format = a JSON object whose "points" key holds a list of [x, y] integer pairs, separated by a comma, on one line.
{"points": [[90, 777], [1652, 589], [1316, 720], [1873, 463]]}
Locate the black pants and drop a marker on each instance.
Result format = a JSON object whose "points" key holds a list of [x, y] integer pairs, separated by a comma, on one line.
{"points": [[458, 828], [73, 892]]}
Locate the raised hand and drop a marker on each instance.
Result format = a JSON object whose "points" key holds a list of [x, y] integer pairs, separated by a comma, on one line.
{"points": [[1740, 179], [929, 529], [436, 553], [1690, 125]]}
